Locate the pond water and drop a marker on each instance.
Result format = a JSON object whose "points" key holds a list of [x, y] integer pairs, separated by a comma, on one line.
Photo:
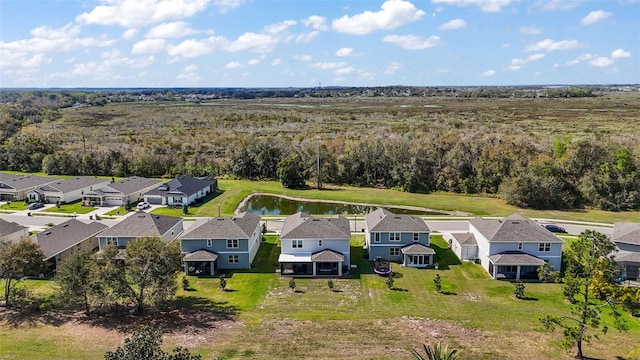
{"points": [[275, 205]]}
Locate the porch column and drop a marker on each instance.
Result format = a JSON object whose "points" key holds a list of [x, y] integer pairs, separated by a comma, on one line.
{"points": [[495, 272], [313, 265], [518, 273], [340, 268], [212, 268]]}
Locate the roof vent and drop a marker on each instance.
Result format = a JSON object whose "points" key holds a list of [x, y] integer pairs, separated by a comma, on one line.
{"points": [[315, 219], [220, 219], [515, 222], [65, 225], [397, 217], [48, 233]]}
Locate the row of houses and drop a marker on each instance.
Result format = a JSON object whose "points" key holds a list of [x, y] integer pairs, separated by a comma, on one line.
{"points": [[95, 191], [509, 248]]}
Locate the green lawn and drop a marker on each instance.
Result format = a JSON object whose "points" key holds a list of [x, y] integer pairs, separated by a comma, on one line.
{"points": [[261, 317], [15, 206], [71, 208]]}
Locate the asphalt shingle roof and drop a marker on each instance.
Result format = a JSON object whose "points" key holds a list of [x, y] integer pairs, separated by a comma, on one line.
{"points": [[241, 226], [513, 228], [72, 184], [61, 237], [201, 255], [384, 220], [327, 255], [142, 224], [465, 238], [417, 249], [626, 232], [8, 228], [128, 186], [181, 185], [515, 258], [19, 182], [305, 226]]}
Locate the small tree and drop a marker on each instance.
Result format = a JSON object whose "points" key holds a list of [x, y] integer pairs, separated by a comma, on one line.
{"points": [[185, 283], [127, 205], [438, 282], [518, 292], [291, 171], [547, 274], [145, 344], [223, 283], [17, 260], [292, 284], [330, 284], [77, 279], [435, 353], [185, 209], [390, 281], [587, 258]]}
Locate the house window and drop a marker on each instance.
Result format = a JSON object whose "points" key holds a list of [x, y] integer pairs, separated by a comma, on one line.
{"points": [[416, 237], [319, 243], [296, 244], [232, 243], [544, 247], [209, 243], [394, 251], [234, 259], [112, 241], [376, 237], [394, 236], [519, 246]]}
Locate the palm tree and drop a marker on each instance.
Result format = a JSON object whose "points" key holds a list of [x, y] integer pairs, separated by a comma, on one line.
{"points": [[436, 353]]}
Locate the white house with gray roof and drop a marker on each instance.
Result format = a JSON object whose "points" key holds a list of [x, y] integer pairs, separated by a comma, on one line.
{"points": [[61, 241], [509, 248], [141, 224], [626, 236], [180, 191], [131, 189], [401, 238], [15, 187], [314, 246], [221, 243], [67, 190], [11, 231]]}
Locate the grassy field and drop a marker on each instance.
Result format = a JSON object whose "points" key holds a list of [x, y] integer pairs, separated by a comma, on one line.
{"points": [[71, 208], [259, 317]]}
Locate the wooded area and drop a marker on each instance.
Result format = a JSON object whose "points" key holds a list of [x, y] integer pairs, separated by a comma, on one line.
{"points": [[536, 148]]}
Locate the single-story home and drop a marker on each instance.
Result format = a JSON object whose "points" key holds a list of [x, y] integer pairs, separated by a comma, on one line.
{"points": [[141, 224], [131, 189], [12, 231], [15, 187], [181, 190], [67, 190]]}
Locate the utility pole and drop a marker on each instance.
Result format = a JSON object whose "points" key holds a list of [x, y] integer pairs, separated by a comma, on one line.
{"points": [[318, 161]]}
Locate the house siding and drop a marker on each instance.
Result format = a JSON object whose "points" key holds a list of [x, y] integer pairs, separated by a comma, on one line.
{"points": [[311, 246], [89, 244], [381, 249]]}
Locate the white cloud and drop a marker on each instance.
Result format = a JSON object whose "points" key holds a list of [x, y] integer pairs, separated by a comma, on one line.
{"points": [[488, 73], [316, 22], [601, 62], [132, 13], [253, 62], [253, 42], [189, 74], [170, 30], [148, 46], [226, 5], [619, 54], [276, 62], [453, 24], [556, 5], [280, 27], [305, 38], [191, 48], [594, 17], [329, 65], [344, 70], [516, 63], [233, 65], [129, 34], [343, 52], [412, 42], [583, 57], [392, 68], [550, 45], [531, 30], [393, 13], [485, 5], [300, 57]]}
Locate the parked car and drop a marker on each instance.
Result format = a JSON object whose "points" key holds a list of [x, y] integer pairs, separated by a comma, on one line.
{"points": [[555, 228], [35, 205], [143, 205]]}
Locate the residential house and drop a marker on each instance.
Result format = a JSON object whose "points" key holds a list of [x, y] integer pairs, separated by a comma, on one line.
{"points": [[67, 190], [180, 191], [221, 243], [12, 231], [16, 187], [61, 241], [509, 248], [626, 236], [131, 189], [313, 246], [400, 238], [141, 224]]}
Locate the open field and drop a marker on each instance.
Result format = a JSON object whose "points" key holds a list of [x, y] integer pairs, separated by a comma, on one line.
{"points": [[261, 318]]}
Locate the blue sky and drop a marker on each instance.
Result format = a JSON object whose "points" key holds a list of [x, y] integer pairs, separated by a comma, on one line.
{"points": [[302, 43]]}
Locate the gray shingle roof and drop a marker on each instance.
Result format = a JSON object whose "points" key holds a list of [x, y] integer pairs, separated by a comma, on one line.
{"points": [[627, 257], [305, 226], [384, 220], [19, 182], [513, 228], [61, 237], [181, 185], [417, 249], [515, 258], [465, 238], [8, 228], [241, 226], [626, 232], [128, 186], [327, 255], [201, 255], [72, 184], [142, 224]]}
